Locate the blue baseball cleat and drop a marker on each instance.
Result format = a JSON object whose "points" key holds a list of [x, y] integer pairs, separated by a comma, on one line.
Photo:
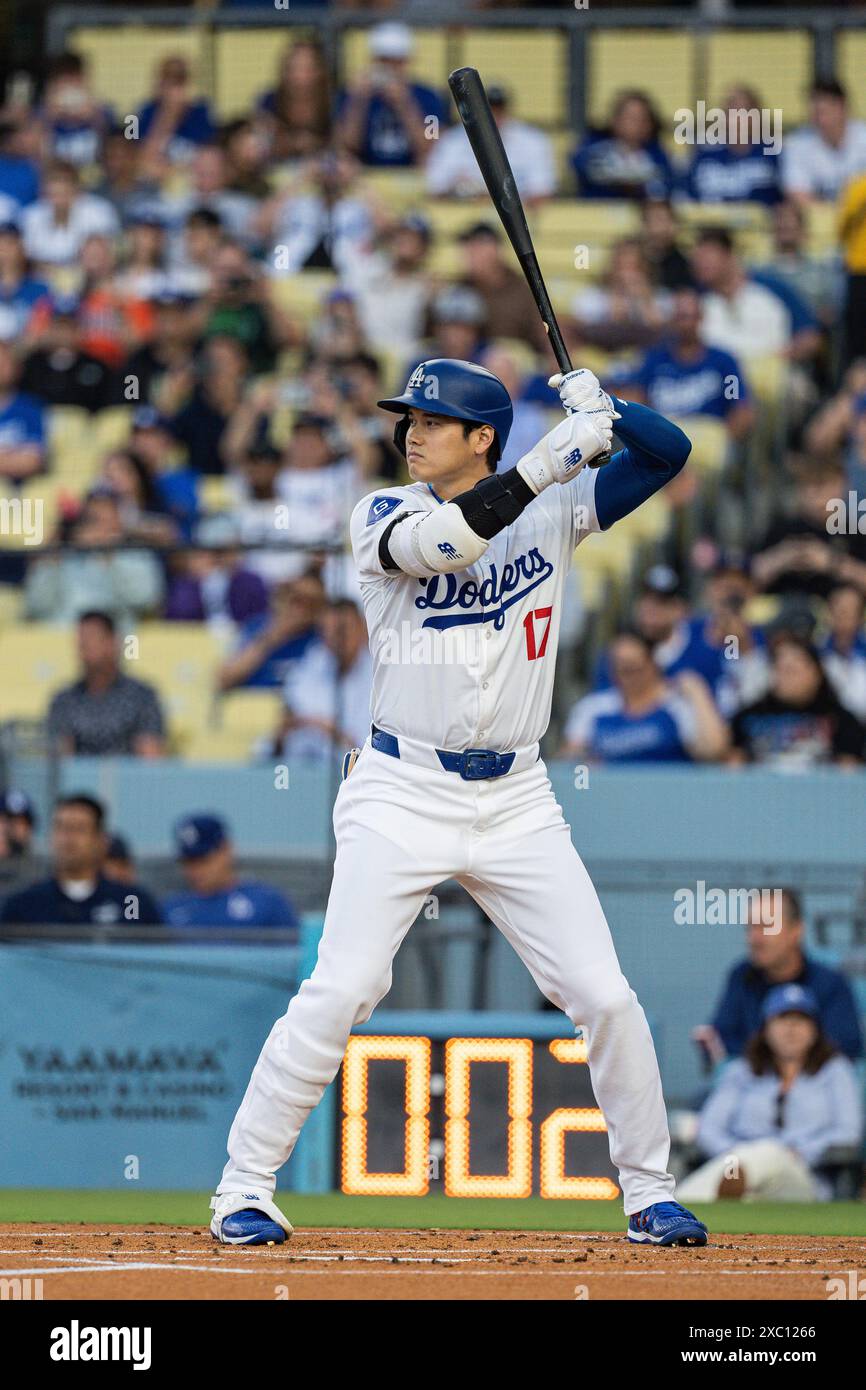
{"points": [[666, 1223], [248, 1218]]}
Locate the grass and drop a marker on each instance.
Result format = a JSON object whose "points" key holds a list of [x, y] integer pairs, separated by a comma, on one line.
{"points": [[334, 1209]]}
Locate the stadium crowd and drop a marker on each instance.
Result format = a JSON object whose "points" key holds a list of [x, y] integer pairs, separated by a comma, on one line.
{"points": [[152, 273]]}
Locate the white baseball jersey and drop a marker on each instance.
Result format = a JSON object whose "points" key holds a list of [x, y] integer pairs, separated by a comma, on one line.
{"points": [[466, 660]]}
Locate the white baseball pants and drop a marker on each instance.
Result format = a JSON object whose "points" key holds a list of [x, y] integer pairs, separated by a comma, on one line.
{"points": [[401, 830]]}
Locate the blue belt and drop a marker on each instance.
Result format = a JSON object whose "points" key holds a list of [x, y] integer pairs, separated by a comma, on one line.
{"points": [[475, 765]]}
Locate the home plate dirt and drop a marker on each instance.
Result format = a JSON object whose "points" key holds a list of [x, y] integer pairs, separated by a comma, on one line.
{"points": [[177, 1262]]}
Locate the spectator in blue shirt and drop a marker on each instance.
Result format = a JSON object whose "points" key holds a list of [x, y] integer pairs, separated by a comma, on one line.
{"points": [[683, 376], [20, 292], [742, 169], [778, 1110], [22, 424], [626, 160], [384, 118], [19, 175], [644, 717], [217, 897], [272, 642], [776, 957], [173, 124], [78, 893]]}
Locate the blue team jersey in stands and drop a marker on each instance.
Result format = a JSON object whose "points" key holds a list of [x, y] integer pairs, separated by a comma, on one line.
{"points": [[22, 421], [610, 734], [717, 175], [606, 169], [703, 387], [384, 140], [245, 905]]}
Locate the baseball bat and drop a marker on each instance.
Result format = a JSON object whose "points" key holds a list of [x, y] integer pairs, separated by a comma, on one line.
{"points": [[483, 133]]}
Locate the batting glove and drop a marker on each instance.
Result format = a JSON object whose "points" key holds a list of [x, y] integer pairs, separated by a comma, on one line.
{"points": [[581, 390], [561, 454]]}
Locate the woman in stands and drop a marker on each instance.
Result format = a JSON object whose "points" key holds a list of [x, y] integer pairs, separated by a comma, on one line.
{"points": [[778, 1111]]}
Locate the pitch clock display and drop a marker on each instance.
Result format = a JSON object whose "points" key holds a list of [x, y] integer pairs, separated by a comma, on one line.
{"points": [[471, 1117]]}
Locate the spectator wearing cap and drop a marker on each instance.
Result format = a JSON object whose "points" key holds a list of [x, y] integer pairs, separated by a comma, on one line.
{"points": [[391, 286], [58, 370], [684, 377], [74, 124], [17, 824], [452, 169], [741, 169], [509, 307], [327, 693], [800, 722], [20, 290], [819, 159], [153, 442], [625, 159], [217, 896], [644, 716], [22, 424], [173, 124], [56, 226], [321, 220], [843, 650], [778, 1110], [78, 892], [383, 117], [105, 712], [297, 112]]}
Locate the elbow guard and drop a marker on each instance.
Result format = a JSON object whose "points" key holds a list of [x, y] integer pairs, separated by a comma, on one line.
{"points": [[437, 542]]}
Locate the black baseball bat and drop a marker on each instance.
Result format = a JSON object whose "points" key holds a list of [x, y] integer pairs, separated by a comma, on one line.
{"points": [[483, 133]]}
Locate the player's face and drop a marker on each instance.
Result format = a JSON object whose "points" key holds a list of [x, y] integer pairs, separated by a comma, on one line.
{"points": [[438, 452]]}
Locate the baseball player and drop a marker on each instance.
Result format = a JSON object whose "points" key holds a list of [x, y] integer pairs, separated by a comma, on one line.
{"points": [[450, 784]]}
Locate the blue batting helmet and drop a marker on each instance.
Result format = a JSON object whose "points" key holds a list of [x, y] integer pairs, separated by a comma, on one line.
{"points": [[460, 390]]}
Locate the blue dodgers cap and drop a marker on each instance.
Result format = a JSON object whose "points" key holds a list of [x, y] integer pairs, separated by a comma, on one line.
{"points": [[17, 803], [196, 836], [789, 999]]}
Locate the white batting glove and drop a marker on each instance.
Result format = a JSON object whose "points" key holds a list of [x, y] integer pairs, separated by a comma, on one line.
{"points": [[581, 390], [569, 447]]}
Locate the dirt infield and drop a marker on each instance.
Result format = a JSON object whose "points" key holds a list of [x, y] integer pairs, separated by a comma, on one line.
{"points": [[178, 1262]]}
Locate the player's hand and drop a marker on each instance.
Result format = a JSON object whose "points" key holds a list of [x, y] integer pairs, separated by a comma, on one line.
{"points": [[581, 391], [561, 454]]}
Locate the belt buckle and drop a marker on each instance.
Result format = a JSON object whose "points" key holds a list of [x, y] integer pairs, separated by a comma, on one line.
{"points": [[479, 763]]}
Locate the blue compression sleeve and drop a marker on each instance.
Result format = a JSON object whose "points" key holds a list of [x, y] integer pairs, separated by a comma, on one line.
{"points": [[655, 452]]}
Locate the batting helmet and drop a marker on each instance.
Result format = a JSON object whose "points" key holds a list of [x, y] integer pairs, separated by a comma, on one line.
{"points": [[461, 390]]}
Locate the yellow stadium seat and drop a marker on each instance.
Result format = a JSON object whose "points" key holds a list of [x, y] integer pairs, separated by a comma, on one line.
{"points": [[768, 378], [123, 58], [662, 63], [851, 65], [36, 660], [253, 713], [430, 62], [823, 229], [710, 443], [218, 746], [112, 428], [531, 63], [181, 660], [216, 494], [777, 63], [11, 601], [301, 295], [398, 190]]}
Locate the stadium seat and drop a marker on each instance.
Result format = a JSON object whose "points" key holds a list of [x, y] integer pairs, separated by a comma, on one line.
{"points": [[531, 63], [662, 63], [301, 295], [777, 63], [11, 600], [35, 660], [710, 443], [123, 59], [253, 713], [851, 65], [209, 745], [181, 660], [111, 428]]}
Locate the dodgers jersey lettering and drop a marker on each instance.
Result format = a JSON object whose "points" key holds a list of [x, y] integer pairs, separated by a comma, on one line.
{"points": [[466, 660]]}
